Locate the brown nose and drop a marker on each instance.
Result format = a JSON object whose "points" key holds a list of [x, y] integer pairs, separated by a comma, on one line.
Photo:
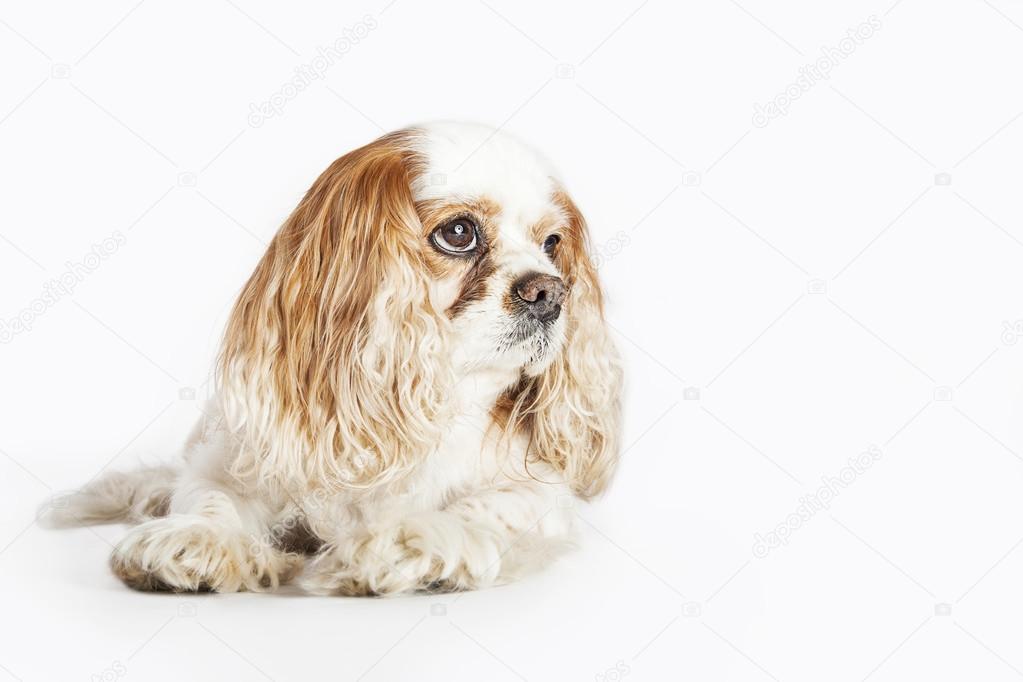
{"points": [[542, 294]]}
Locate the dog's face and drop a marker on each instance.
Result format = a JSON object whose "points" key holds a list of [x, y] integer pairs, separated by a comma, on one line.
{"points": [[428, 254], [497, 233]]}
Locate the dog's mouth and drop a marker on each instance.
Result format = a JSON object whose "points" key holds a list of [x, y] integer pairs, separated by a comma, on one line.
{"points": [[537, 341], [525, 328]]}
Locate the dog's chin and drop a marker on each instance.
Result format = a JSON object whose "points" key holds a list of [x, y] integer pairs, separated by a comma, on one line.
{"points": [[537, 344]]}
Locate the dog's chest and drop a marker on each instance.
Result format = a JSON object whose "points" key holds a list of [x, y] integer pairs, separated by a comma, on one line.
{"points": [[471, 453]]}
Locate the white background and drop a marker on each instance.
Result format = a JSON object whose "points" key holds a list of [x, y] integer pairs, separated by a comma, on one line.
{"points": [[816, 283]]}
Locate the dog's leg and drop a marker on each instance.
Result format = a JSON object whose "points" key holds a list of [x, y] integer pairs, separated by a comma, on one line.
{"points": [[479, 540], [213, 538], [113, 497]]}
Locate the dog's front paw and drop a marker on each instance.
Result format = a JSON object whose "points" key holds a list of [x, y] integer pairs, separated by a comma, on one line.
{"points": [[372, 565], [184, 553], [414, 555]]}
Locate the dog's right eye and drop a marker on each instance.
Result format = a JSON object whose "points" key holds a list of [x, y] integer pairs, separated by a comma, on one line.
{"points": [[456, 237]]}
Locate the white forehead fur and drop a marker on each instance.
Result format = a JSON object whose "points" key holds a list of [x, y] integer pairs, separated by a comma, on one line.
{"points": [[467, 161]]}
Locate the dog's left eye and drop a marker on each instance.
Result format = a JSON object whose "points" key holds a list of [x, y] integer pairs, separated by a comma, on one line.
{"points": [[458, 236], [551, 242]]}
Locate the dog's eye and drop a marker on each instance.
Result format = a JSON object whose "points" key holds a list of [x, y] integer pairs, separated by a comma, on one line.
{"points": [[551, 242], [458, 236]]}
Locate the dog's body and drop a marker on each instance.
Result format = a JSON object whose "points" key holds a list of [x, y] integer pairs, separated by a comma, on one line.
{"points": [[414, 378]]}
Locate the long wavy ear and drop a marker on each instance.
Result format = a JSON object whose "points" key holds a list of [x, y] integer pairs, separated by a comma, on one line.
{"points": [[332, 371], [572, 411]]}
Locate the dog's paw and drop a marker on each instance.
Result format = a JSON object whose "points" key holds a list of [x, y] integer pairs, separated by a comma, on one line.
{"points": [[414, 555], [184, 553], [373, 565]]}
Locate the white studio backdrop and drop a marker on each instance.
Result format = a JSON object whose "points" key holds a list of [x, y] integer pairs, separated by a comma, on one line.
{"points": [[808, 223]]}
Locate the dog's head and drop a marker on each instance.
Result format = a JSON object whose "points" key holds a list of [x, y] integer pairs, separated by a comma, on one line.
{"points": [[420, 259]]}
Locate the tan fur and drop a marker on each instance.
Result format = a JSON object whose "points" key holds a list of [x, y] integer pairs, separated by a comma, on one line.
{"points": [[332, 366]]}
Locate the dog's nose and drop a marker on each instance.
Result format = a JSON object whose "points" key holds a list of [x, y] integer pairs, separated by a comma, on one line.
{"points": [[542, 294]]}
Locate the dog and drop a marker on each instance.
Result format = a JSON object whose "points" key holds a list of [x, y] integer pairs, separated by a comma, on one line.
{"points": [[413, 380]]}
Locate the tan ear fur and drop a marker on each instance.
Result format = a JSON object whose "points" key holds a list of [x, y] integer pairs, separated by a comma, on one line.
{"points": [[332, 369]]}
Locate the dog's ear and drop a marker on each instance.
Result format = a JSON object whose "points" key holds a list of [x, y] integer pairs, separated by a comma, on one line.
{"points": [[332, 370], [572, 411]]}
